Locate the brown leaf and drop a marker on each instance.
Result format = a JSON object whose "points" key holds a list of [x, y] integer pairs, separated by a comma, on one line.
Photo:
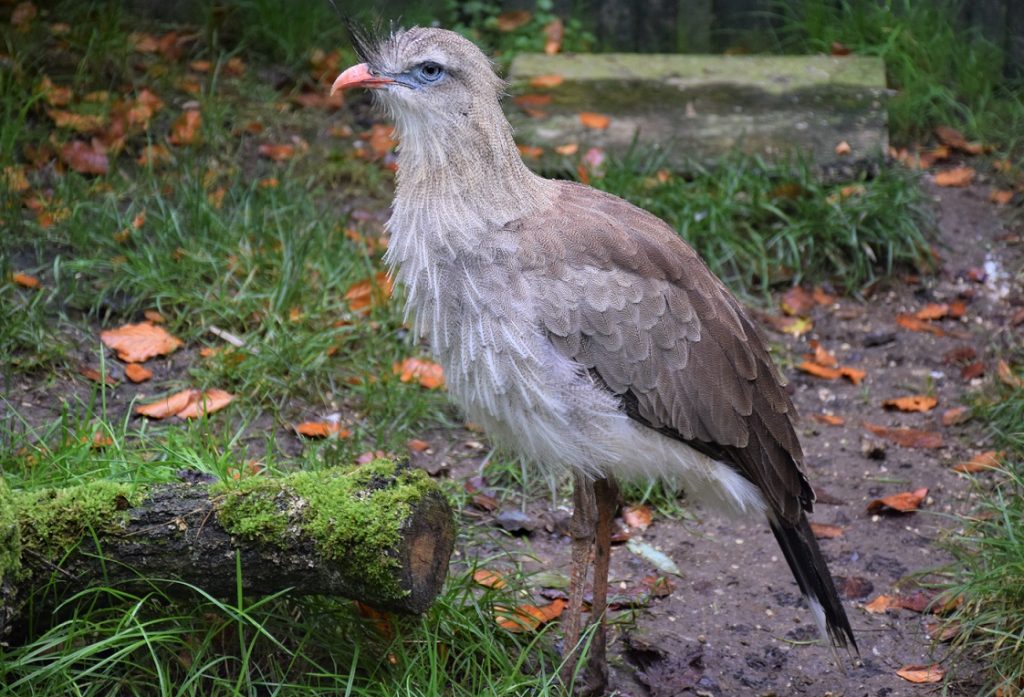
{"points": [[958, 176], [839, 49], [82, 123], [416, 445], [830, 419], [186, 129], [956, 415], [426, 373], [484, 502], [1001, 197], [638, 517], [96, 376], [210, 401], [322, 429], [545, 82], [1007, 376], [512, 20], [843, 148], [99, 440], [973, 370], [794, 326], [137, 373], [954, 139], [530, 152], [153, 155], [169, 406], [553, 33], [821, 297], [882, 603], [825, 531], [25, 280], [527, 618], [137, 343], [854, 375], [489, 579], [918, 325], [981, 462], [592, 119], [567, 149], [278, 152], [911, 403], [903, 502], [907, 437], [932, 311], [922, 674], [369, 293], [532, 100], [822, 356], [797, 301], [819, 370], [85, 158], [23, 14]]}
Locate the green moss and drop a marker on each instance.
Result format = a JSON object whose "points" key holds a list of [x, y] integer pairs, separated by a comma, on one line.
{"points": [[53, 521], [354, 515], [10, 533]]}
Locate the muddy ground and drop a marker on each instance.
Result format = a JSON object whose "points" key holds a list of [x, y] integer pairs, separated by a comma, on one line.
{"points": [[735, 623]]}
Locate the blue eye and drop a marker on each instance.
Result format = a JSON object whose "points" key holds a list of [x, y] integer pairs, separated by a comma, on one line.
{"points": [[429, 72]]}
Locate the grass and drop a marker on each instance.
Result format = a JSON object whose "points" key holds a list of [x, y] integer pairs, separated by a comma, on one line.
{"points": [[943, 73], [267, 250], [989, 551]]}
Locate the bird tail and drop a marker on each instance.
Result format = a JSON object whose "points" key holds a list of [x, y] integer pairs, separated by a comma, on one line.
{"points": [[811, 573]]}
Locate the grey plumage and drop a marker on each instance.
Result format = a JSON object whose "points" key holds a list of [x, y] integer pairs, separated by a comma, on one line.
{"points": [[577, 328]]}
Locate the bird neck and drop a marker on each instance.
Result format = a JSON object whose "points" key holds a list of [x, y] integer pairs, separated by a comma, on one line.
{"points": [[460, 171]]}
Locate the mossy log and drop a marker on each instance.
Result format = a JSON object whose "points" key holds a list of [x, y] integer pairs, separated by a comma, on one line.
{"points": [[377, 533]]}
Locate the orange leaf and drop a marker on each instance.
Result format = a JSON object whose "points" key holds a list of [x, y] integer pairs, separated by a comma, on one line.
{"points": [[136, 343], [830, 419], [567, 149], [532, 100], [512, 20], [544, 82], [592, 119], [956, 415], [907, 437], [932, 311], [797, 301], [100, 440], [1001, 197], [322, 429], [530, 152], [369, 293], [96, 376], [185, 130], [903, 502], [882, 603], [854, 375], [911, 403], [954, 139], [426, 373], [83, 123], [820, 371], [137, 373], [153, 155], [981, 462], [277, 153], [85, 158], [168, 406], [210, 401], [957, 309], [917, 325], [1006, 375], [843, 148], [25, 280], [922, 674], [154, 316], [825, 531], [489, 579], [527, 618], [958, 176], [638, 517], [553, 33], [822, 356], [416, 445]]}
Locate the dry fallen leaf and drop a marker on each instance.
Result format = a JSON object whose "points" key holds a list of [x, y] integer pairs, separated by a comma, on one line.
{"points": [[207, 403], [907, 437], [489, 579], [25, 280], [553, 33], [369, 293], [512, 20], [567, 149], [530, 152], [954, 139], [911, 403], [137, 343], [830, 419], [278, 152], [958, 176], [843, 148], [1001, 197], [96, 376], [169, 406], [903, 502], [137, 373], [1007, 376], [918, 325], [932, 311], [882, 603], [922, 674], [527, 618], [819, 370], [981, 462], [638, 517], [543, 82], [592, 119], [322, 429], [186, 129], [84, 157], [956, 415], [822, 356], [825, 531], [416, 445], [797, 301], [532, 100], [426, 373]]}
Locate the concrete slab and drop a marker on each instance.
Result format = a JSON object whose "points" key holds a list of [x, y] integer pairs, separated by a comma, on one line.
{"points": [[695, 106]]}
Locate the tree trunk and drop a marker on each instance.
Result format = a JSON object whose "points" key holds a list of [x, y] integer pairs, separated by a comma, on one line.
{"points": [[378, 533]]}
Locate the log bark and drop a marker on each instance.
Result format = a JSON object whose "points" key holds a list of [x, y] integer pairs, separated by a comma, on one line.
{"points": [[379, 534]]}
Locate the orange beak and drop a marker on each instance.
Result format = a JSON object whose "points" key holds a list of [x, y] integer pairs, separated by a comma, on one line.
{"points": [[359, 76]]}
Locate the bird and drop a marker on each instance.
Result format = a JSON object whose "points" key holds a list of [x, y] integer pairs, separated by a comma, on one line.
{"points": [[579, 330]]}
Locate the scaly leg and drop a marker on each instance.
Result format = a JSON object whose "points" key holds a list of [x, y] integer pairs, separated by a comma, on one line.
{"points": [[581, 530], [595, 675]]}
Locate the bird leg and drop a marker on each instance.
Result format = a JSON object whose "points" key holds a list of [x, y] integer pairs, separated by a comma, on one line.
{"points": [[581, 531], [595, 675]]}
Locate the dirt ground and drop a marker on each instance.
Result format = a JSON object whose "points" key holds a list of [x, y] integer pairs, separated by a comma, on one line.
{"points": [[735, 623]]}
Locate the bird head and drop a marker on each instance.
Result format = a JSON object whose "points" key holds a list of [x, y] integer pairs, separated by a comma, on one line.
{"points": [[429, 79]]}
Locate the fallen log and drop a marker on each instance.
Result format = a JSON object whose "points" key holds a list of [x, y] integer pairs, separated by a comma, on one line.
{"points": [[380, 533]]}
